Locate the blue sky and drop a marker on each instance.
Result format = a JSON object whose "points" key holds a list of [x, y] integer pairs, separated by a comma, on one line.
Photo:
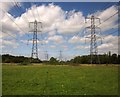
{"points": [[86, 8], [60, 37]]}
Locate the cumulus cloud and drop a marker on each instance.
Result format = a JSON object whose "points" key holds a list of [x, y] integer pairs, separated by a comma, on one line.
{"points": [[65, 47], [57, 21], [5, 5], [51, 33], [7, 24], [3, 35], [56, 39], [82, 47], [48, 15], [52, 46], [54, 18], [76, 39], [110, 43], [38, 41], [72, 24], [10, 43], [105, 14], [111, 38]]}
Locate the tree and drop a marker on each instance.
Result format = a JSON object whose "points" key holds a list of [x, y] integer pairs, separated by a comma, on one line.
{"points": [[77, 60], [114, 58], [35, 60], [53, 61], [118, 59], [18, 59]]}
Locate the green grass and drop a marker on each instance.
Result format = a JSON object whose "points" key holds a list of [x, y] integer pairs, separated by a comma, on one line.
{"points": [[60, 80]]}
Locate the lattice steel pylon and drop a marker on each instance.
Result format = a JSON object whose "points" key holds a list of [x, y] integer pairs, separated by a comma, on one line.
{"points": [[93, 43], [35, 29], [46, 55], [60, 56]]}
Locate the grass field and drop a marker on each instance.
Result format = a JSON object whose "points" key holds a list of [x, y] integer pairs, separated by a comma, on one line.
{"points": [[59, 80]]}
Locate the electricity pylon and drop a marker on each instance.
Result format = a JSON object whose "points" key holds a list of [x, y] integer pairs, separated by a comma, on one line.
{"points": [[60, 56], [46, 55], [35, 29], [93, 36]]}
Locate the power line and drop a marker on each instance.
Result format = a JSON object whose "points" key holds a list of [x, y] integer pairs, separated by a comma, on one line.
{"points": [[15, 3], [111, 33], [37, 12], [18, 8], [102, 22], [32, 11], [108, 3], [13, 37], [99, 23], [107, 19], [14, 22]]}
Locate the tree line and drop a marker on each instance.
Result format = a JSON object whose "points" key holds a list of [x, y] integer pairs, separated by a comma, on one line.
{"points": [[102, 59], [86, 59], [18, 59]]}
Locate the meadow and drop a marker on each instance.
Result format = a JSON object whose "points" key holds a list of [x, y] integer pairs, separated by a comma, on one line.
{"points": [[59, 80]]}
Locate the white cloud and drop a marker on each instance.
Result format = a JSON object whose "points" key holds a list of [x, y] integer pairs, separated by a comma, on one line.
{"points": [[51, 33], [3, 35], [8, 5], [52, 17], [52, 46], [65, 47], [9, 29], [72, 24], [56, 20], [74, 39], [56, 39], [10, 43], [82, 47], [38, 41], [77, 39], [106, 46], [103, 15], [110, 43], [111, 38], [48, 15], [5, 5]]}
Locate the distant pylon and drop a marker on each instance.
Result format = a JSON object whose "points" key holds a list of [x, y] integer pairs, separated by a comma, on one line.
{"points": [[35, 25], [60, 56], [93, 45], [46, 55]]}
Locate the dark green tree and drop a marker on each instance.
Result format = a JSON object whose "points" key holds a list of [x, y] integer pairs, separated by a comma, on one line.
{"points": [[53, 61], [77, 60], [114, 58]]}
